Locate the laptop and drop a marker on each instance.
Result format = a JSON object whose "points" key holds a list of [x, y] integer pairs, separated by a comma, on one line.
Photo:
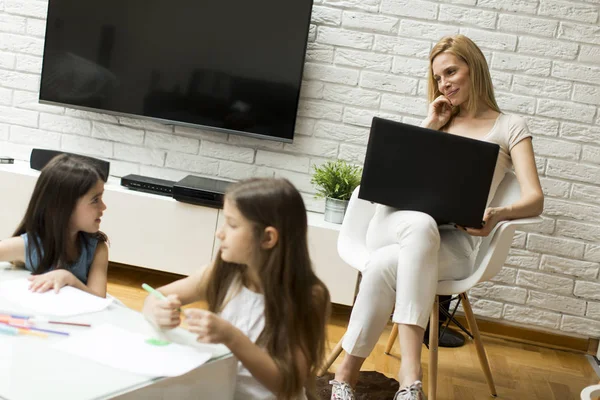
{"points": [[444, 175]]}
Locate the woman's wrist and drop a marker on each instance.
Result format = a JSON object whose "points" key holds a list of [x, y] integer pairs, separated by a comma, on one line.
{"points": [[503, 213], [426, 123], [430, 124]]}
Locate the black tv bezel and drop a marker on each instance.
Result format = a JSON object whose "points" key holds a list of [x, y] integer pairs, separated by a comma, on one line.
{"points": [[183, 123]]}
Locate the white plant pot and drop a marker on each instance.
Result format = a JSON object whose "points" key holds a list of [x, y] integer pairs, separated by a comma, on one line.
{"points": [[335, 210]]}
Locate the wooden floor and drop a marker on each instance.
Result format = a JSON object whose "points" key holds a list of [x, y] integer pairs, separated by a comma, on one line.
{"points": [[521, 371]]}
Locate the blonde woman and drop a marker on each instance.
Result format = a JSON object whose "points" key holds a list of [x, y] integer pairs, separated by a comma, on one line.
{"points": [[409, 252]]}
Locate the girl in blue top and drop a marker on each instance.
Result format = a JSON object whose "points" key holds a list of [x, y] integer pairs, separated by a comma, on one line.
{"points": [[59, 239]]}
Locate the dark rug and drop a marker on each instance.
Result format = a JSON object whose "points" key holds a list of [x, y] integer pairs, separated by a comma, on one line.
{"points": [[371, 385]]}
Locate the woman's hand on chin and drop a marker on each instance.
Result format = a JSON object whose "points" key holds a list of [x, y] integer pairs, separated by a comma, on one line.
{"points": [[439, 113]]}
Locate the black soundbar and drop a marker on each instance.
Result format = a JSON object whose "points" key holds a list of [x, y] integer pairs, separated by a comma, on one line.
{"points": [[41, 157], [149, 185]]}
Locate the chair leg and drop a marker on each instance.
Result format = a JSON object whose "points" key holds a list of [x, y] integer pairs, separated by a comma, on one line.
{"points": [[337, 350], [433, 349], [392, 339], [478, 344]]}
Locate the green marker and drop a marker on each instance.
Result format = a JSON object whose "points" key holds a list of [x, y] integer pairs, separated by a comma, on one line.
{"points": [[159, 295], [155, 292]]}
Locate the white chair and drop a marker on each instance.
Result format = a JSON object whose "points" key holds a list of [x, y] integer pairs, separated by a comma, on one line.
{"points": [[590, 392], [490, 258]]}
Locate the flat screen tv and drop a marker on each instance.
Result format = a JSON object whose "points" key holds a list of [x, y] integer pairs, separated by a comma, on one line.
{"points": [[229, 65]]}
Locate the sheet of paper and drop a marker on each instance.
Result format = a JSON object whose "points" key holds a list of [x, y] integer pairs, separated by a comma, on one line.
{"points": [[121, 349], [187, 338], [66, 303]]}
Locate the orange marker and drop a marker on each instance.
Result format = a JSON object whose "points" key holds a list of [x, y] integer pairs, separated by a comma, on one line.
{"points": [[32, 333], [7, 319]]}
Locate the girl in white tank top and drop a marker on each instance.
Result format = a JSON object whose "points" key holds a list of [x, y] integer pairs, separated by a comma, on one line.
{"points": [[265, 302]]}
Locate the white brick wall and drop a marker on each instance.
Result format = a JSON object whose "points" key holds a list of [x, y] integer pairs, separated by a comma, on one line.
{"points": [[366, 58]]}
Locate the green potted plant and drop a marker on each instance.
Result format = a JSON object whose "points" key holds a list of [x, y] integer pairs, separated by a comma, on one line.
{"points": [[335, 181]]}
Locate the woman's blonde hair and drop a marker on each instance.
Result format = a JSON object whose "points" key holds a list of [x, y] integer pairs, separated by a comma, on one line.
{"points": [[479, 73], [296, 301]]}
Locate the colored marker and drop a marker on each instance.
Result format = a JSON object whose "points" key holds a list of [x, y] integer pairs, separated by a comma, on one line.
{"points": [[39, 320], [7, 314], [153, 291], [8, 319], [18, 320], [9, 330], [31, 328], [156, 293], [26, 331]]}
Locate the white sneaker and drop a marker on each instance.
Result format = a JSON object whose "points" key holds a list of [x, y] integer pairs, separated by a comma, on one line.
{"points": [[412, 392], [341, 391]]}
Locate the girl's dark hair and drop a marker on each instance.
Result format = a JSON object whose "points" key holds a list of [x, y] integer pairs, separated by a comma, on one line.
{"points": [[62, 182], [296, 301]]}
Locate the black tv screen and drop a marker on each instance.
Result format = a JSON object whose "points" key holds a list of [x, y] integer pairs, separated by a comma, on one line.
{"points": [[231, 65]]}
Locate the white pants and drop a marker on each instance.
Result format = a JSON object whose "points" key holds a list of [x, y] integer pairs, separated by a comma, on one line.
{"points": [[409, 254]]}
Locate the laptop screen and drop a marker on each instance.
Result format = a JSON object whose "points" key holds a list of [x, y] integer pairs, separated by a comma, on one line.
{"points": [[444, 175]]}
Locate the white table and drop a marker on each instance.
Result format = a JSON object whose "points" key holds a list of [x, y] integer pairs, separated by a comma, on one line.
{"points": [[30, 369]]}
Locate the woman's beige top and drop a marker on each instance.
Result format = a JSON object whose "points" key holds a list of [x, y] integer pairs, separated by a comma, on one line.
{"points": [[508, 130]]}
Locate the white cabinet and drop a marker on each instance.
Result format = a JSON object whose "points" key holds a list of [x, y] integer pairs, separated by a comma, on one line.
{"points": [[15, 191], [160, 233], [338, 276]]}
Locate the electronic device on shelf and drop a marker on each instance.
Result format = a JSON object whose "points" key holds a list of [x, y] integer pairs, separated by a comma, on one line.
{"points": [[147, 184], [200, 190], [40, 157]]}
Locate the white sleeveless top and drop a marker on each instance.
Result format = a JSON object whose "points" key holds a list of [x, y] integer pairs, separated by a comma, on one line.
{"points": [[246, 311]]}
